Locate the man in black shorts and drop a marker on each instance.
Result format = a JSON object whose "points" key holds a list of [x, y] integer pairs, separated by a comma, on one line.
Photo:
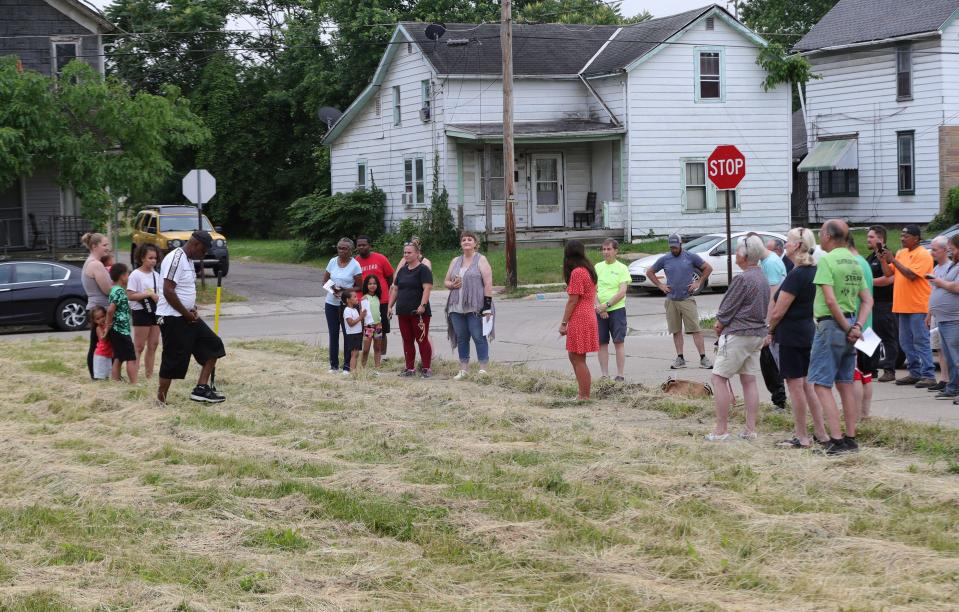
{"points": [[184, 333]]}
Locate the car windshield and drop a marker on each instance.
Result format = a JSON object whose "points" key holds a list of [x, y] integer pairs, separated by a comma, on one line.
{"points": [[182, 223], [703, 244]]}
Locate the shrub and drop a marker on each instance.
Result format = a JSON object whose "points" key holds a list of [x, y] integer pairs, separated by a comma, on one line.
{"points": [[435, 228], [321, 220], [948, 217]]}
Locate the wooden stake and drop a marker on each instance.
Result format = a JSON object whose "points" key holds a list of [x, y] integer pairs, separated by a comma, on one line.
{"points": [[506, 40]]}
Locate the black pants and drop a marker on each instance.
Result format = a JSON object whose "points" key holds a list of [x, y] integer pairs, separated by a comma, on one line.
{"points": [[93, 344], [886, 326], [771, 376]]}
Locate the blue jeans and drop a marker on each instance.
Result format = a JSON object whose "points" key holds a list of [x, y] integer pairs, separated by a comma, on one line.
{"points": [[833, 358], [466, 326], [333, 326], [914, 342], [949, 345]]}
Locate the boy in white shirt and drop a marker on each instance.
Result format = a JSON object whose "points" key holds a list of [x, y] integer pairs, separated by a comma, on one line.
{"points": [[354, 316]]}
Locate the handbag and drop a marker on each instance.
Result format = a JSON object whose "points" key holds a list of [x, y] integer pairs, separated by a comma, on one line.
{"points": [[149, 304]]}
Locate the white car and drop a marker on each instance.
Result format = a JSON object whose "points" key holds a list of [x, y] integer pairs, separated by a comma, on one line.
{"points": [[711, 247]]}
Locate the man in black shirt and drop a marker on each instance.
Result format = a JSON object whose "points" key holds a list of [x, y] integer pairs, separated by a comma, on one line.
{"points": [[883, 320]]}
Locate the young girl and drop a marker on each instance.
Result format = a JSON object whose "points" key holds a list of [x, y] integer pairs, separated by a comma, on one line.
{"points": [[118, 322], [103, 353], [373, 331], [354, 313]]}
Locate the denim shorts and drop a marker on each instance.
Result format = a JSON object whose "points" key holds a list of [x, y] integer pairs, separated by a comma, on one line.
{"points": [[614, 326], [833, 359]]}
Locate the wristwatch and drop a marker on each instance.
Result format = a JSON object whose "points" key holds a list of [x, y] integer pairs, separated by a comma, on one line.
{"points": [[608, 304]]}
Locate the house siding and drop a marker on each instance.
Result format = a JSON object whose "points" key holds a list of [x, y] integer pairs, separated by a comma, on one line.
{"points": [[613, 92], [481, 100], [40, 21], [857, 95], [666, 125]]}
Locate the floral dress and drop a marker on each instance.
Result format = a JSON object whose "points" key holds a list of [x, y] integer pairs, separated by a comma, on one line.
{"points": [[582, 332]]}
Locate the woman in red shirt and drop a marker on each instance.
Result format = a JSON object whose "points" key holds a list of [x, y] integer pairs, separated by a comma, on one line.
{"points": [[579, 319]]}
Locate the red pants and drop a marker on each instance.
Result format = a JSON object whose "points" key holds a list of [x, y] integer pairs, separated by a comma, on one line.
{"points": [[411, 332]]}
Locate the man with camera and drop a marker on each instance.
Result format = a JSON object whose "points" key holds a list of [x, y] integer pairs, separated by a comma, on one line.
{"points": [[883, 320]]}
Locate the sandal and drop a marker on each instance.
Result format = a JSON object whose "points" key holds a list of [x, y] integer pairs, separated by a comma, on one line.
{"points": [[794, 443]]}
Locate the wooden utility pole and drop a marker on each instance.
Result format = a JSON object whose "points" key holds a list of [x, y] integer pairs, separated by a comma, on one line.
{"points": [[509, 188]]}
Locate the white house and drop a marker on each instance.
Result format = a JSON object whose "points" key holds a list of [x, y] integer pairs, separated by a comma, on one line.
{"points": [[883, 121], [629, 114]]}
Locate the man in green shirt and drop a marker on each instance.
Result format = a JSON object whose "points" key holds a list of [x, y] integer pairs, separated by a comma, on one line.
{"points": [[841, 290], [612, 280]]}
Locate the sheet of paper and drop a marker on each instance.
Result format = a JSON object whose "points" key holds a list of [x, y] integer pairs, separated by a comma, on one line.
{"points": [[328, 286], [488, 325], [869, 342]]}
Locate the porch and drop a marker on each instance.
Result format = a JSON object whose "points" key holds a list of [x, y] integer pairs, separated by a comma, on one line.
{"points": [[49, 237], [568, 178]]}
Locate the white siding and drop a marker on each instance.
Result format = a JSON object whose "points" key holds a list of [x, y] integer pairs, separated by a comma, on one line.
{"points": [[666, 124], [481, 100], [950, 77], [384, 146], [613, 92], [857, 95]]}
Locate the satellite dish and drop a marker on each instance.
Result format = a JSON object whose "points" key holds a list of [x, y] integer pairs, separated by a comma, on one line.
{"points": [[329, 115], [435, 31]]}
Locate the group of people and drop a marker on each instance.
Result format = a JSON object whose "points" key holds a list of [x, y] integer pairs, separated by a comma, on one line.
{"points": [[130, 310]]}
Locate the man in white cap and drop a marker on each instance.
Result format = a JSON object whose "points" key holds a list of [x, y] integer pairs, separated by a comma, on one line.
{"points": [[686, 273]]}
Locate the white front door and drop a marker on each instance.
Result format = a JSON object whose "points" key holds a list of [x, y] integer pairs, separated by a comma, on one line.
{"points": [[546, 193]]}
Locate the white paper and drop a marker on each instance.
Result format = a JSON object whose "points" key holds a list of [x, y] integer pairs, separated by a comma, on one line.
{"points": [[487, 326], [869, 342], [328, 286]]}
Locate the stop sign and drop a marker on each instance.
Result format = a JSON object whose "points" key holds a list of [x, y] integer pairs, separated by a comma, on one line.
{"points": [[726, 167]]}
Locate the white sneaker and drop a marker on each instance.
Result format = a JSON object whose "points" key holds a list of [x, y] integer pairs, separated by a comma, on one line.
{"points": [[460, 376], [333, 371], [346, 372], [711, 437], [482, 372], [678, 364]]}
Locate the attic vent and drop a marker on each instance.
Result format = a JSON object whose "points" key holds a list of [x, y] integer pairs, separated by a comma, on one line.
{"points": [[409, 48], [710, 23], [379, 105]]}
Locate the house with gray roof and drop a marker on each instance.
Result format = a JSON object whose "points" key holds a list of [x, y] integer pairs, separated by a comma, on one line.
{"points": [[621, 116], [44, 35], [883, 118]]}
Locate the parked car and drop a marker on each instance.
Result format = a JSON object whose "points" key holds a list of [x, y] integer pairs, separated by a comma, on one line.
{"points": [[711, 247], [42, 293], [169, 227], [949, 232]]}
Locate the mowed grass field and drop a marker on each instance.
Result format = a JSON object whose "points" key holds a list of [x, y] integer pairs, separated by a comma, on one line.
{"points": [[308, 491]]}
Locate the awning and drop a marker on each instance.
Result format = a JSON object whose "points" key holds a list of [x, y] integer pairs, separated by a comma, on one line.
{"points": [[562, 130], [839, 154]]}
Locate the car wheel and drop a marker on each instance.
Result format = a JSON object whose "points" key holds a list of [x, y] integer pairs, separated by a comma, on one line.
{"points": [[71, 315]]}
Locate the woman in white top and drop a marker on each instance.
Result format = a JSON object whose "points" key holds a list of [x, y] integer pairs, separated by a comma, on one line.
{"points": [[96, 283], [143, 289]]}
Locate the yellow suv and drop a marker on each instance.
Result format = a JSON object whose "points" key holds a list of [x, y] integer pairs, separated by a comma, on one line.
{"points": [[169, 227]]}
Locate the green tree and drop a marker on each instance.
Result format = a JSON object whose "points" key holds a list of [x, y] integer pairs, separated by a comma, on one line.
{"points": [[96, 132], [783, 21]]}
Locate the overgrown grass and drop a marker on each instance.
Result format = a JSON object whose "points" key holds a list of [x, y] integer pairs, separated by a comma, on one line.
{"points": [[494, 493]]}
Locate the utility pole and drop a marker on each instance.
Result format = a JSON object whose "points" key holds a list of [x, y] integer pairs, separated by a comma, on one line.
{"points": [[509, 188]]}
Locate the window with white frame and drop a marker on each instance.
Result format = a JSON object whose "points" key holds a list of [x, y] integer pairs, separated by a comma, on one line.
{"points": [[414, 182], [397, 115], [906, 144], [904, 72], [694, 186], [709, 74], [63, 51], [361, 174], [492, 179], [426, 112]]}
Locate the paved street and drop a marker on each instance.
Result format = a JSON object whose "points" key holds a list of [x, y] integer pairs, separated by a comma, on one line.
{"points": [[280, 306]]}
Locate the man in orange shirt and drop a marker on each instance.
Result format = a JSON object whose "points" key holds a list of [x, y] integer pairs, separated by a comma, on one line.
{"points": [[910, 302]]}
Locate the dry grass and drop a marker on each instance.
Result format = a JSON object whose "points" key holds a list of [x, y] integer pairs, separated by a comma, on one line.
{"points": [[309, 491]]}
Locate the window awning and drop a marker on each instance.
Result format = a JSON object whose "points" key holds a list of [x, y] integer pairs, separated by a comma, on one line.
{"points": [[839, 154]]}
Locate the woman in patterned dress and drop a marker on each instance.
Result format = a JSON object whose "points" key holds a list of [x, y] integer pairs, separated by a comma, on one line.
{"points": [[579, 318]]}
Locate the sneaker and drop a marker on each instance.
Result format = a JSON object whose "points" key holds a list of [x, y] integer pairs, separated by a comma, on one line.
{"points": [[836, 447], [705, 363], [711, 437], [749, 436], [619, 379], [205, 393], [426, 373], [604, 377], [460, 376], [851, 445], [907, 380], [482, 372], [946, 395], [345, 373], [678, 364], [793, 443], [939, 386], [887, 376], [925, 383], [333, 371], [408, 373], [779, 408]]}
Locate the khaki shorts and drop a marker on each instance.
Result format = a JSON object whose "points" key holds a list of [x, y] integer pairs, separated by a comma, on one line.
{"points": [[738, 355], [680, 314]]}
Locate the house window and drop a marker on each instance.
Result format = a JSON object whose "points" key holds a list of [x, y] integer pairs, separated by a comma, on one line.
{"points": [[378, 105], [907, 162], [694, 188], [63, 53], [397, 118], [413, 179], [425, 112], [904, 73], [492, 177], [709, 70], [361, 174], [838, 183]]}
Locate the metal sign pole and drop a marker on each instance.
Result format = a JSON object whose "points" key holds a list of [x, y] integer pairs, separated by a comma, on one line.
{"points": [[729, 242]]}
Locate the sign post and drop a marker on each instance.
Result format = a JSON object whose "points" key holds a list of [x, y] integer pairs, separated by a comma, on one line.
{"points": [[199, 187], [726, 168]]}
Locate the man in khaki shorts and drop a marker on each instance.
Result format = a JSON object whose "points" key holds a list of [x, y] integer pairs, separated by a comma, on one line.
{"points": [[682, 268]]}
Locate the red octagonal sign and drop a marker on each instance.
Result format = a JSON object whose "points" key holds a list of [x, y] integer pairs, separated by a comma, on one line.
{"points": [[726, 167]]}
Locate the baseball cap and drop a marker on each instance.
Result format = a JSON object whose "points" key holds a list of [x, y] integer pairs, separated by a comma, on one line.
{"points": [[912, 229], [674, 240], [203, 237]]}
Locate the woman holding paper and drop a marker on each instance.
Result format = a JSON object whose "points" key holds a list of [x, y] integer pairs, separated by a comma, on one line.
{"points": [[343, 272], [470, 304]]}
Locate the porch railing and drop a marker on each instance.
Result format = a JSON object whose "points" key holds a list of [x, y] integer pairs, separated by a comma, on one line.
{"points": [[56, 235]]}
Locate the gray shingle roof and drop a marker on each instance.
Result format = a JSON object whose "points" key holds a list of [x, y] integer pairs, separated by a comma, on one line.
{"points": [[863, 21], [546, 49]]}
